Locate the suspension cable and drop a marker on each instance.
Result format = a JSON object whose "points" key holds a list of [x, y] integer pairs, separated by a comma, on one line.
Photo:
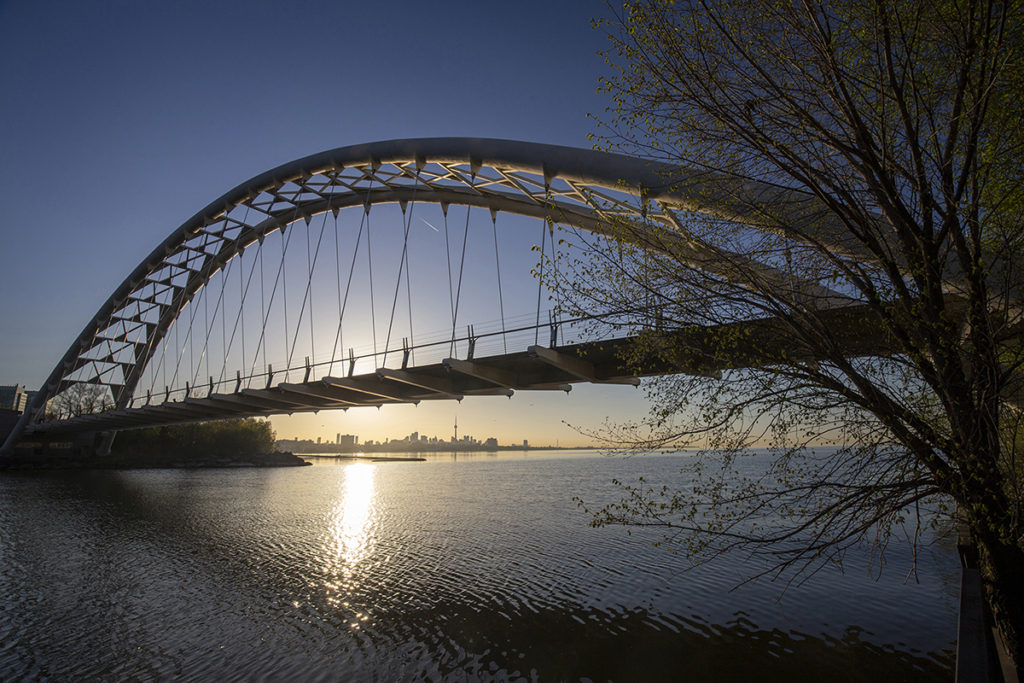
{"points": [[206, 318], [451, 293], [554, 277], [176, 345], [306, 294], [223, 311], [408, 303], [311, 262], [188, 335], [497, 268], [220, 300], [348, 286], [192, 346], [403, 261], [160, 371], [462, 266], [398, 284], [263, 302], [244, 292], [163, 365], [369, 261], [284, 289], [540, 278], [285, 239], [337, 270]]}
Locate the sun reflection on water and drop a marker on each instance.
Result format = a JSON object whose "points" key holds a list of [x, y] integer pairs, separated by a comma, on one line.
{"points": [[350, 537]]}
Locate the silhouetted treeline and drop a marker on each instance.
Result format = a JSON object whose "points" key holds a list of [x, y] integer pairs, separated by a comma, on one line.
{"points": [[247, 436]]}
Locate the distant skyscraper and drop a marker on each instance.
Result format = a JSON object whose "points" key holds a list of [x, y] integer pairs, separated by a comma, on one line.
{"points": [[14, 397]]}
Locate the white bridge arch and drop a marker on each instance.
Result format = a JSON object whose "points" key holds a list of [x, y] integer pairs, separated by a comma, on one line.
{"points": [[586, 189]]}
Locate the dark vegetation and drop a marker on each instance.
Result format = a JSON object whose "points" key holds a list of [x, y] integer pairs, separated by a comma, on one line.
{"points": [[884, 141], [224, 443], [220, 438]]}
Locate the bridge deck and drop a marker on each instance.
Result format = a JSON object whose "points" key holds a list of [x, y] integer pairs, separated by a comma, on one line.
{"points": [[697, 351]]}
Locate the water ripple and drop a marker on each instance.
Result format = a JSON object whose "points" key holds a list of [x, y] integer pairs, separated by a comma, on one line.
{"points": [[478, 569]]}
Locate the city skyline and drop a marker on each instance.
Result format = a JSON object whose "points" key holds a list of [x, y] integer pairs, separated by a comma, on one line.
{"points": [[353, 440], [413, 441]]}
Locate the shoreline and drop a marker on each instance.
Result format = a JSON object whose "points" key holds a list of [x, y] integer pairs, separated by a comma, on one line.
{"points": [[384, 452], [150, 462], [363, 458]]}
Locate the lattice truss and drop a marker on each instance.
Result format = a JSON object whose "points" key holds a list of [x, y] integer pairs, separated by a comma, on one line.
{"points": [[132, 324], [586, 190]]}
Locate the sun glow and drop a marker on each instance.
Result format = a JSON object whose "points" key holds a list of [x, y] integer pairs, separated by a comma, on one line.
{"points": [[351, 536]]}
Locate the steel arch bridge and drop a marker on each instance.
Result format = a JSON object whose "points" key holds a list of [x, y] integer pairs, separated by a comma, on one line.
{"points": [[584, 189]]}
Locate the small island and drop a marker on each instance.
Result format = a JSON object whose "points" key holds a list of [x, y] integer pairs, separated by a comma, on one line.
{"points": [[244, 442]]}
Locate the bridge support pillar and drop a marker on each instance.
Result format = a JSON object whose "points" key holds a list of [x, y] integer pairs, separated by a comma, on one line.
{"points": [[54, 451], [104, 440]]}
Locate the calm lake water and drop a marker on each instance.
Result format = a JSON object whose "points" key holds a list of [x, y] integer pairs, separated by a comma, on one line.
{"points": [[479, 567]]}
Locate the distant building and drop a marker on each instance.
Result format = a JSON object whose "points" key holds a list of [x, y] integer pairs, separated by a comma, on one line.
{"points": [[348, 439], [296, 445], [14, 397], [491, 444], [526, 444]]}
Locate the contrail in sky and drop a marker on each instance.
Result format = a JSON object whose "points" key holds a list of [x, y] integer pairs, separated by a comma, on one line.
{"points": [[428, 224]]}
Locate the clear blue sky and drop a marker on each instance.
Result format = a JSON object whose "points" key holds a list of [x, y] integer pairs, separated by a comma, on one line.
{"points": [[123, 118]]}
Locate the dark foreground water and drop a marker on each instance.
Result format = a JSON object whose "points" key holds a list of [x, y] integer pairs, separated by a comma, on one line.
{"points": [[468, 569]]}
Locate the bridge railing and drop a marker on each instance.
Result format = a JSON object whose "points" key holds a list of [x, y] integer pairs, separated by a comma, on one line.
{"points": [[486, 339]]}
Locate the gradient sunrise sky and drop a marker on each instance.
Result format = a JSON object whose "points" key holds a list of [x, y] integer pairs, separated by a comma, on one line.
{"points": [[123, 118]]}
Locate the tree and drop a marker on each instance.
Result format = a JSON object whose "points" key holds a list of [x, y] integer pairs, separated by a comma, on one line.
{"points": [[858, 285], [240, 436], [80, 399]]}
